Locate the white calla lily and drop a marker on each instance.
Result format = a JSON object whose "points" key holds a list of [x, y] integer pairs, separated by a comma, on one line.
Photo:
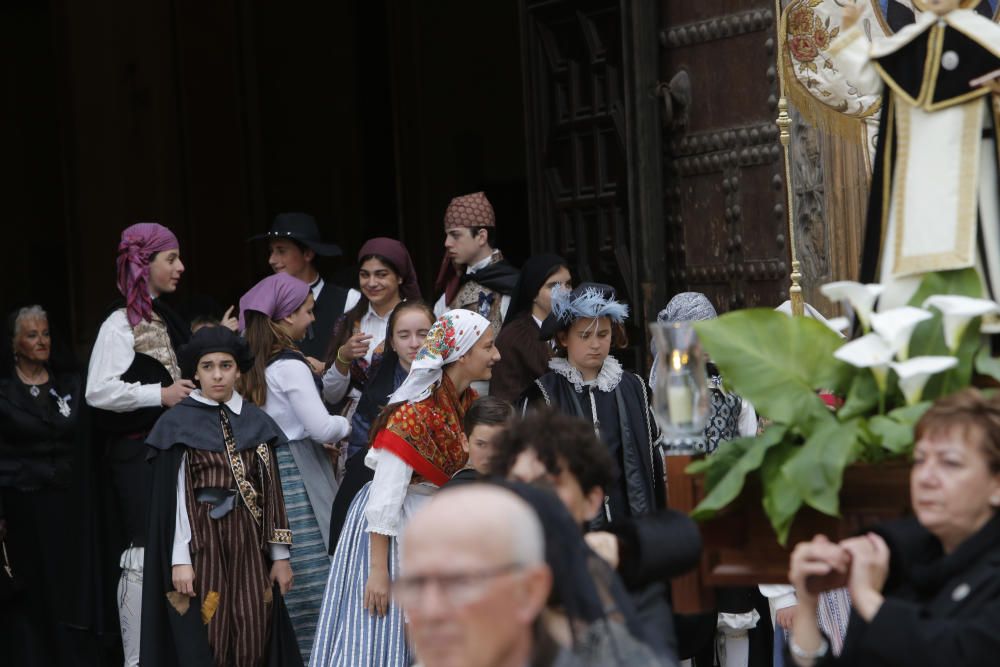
{"points": [[860, 296], [914, 374], [957, 312], [896, 326], [870, 351]]}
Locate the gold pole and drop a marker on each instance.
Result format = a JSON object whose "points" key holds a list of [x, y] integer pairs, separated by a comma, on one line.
{"points": [[784, 123]]}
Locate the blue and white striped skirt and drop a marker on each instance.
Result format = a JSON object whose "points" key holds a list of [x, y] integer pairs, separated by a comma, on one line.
{"points": [[346, 635], [309, 560]]}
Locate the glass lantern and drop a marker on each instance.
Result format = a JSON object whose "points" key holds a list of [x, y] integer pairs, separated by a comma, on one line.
{"points": [[680, 388]]}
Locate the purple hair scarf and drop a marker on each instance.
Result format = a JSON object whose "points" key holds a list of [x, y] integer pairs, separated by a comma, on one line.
{"points": [[135, 250], [277, 296]]}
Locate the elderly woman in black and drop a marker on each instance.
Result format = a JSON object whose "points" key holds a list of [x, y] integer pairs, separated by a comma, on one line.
{"points": [[38, 416], [925, 590]]}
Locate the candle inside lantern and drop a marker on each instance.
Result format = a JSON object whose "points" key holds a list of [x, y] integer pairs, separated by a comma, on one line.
{"points": [[680, 398]]}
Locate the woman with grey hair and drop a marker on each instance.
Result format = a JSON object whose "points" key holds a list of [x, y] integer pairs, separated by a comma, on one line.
{"points": [[38, 419]]}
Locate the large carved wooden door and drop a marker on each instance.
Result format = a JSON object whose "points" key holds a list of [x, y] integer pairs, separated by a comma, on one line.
{"points": [[724, 189]]}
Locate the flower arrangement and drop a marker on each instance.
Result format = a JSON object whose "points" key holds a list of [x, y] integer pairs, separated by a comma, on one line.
{"points": [[885, 380]]}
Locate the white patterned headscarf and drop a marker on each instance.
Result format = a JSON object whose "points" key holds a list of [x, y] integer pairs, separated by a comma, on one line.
{"points": [[454, 334]]}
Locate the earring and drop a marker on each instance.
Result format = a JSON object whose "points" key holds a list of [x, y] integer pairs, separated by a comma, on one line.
{"points": [[995, 501]]}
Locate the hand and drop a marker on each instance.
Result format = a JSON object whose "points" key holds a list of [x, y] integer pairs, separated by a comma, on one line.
{"points": [[783, 617], [355, 347], [317, 366], [281, 572], [183, 579], [850, 16], [175, 393], [230, 321], [816, 566], [377, 593], [869, 570], [604, 545]]}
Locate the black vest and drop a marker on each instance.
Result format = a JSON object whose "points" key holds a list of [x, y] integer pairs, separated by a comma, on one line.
{"points": [[329, 306]]}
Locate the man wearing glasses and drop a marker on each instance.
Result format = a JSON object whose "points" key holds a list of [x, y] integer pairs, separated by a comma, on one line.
{"points": [[474, 580]]}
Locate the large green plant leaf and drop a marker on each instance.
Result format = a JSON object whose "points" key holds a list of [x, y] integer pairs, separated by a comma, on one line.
{"points": [[776, 362], [987, 364], [816, 471], [961, 282], [726, 469], [862, 397], [781, 499]]}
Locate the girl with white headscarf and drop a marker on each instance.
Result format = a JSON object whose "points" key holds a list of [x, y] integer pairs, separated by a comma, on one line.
{"points": [[416, 448]]}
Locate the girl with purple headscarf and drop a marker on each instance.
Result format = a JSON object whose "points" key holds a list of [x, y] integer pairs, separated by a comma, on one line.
{"points": [[274, 314], [385, 277], [133, 376]]}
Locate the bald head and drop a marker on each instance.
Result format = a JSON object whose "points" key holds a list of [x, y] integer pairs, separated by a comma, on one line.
{"points": [[490, 516], [476, 554]]}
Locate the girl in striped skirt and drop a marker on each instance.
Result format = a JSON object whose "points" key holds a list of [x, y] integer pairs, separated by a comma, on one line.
{"points": [[276, 312], [417, 446]]}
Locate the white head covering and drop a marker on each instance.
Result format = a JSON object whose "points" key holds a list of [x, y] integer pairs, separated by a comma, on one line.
{"points": [[452, 336]]}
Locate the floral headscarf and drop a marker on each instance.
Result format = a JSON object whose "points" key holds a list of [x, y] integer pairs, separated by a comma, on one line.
{"points": [[454, 334]]}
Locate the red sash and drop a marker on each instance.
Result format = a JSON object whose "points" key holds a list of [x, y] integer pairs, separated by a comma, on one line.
{"points": [[389, 441]]}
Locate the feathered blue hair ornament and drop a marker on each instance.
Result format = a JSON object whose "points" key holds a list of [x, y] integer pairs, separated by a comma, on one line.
{"points": [[589, 301]]}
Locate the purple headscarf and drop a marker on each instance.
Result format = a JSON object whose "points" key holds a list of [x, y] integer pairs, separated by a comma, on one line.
{"points": [[395, 252], [277, 296], [139, 243]]}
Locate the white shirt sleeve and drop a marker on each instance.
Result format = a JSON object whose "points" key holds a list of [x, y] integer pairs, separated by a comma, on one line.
{"points": [[504, 305], [182, 524], [780, 596], [335, 384], [384, 510], [296, 382], [112, 355], [279, 551], [353, 296], [440, 307], [748, 420]]}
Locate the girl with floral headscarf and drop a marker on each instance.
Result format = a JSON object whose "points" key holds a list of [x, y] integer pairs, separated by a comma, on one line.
{"points": [[416, 448]]}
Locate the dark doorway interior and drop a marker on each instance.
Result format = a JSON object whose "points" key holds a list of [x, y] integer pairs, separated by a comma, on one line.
{"points": [[212, 117]]}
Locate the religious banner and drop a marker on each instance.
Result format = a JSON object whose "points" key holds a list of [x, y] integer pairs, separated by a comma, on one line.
{"points": [[816, 86]]}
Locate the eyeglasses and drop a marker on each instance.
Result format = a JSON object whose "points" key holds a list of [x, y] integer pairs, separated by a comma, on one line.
{"points": [[457, 590]]}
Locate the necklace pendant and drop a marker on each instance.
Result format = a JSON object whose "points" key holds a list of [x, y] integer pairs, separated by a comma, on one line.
{"points": [[34, 391]]}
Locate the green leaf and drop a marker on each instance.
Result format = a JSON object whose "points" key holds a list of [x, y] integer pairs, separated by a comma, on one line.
{"points": [[781, 501], [986, 364], [776, 362], [862, 398], [910, 414], [896, 437], [962, 282], [729, 466], [817, 470]]}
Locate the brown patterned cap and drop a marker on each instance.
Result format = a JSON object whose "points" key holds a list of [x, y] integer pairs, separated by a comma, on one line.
{"points": [[472, 210]]}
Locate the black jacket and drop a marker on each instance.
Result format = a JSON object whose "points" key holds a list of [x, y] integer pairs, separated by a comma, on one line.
{"points": [[938, 610]]}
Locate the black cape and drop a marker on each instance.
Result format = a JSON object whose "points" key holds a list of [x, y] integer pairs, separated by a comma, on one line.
{"points": [[168, 638], [500, 277]]}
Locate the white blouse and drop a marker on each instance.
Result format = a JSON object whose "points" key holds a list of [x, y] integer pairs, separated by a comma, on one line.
{"points": [[393, 500], [294, 403], [335, 383], [114, 352]]}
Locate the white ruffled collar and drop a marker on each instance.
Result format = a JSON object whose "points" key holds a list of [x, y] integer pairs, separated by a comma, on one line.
{"points": [[607, 379]]}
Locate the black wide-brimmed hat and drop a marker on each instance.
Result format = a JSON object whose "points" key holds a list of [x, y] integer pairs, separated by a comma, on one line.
{"points": [[299, 227]]}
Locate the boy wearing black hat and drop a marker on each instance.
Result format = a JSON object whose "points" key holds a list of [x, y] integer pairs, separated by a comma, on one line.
{"points": [[293, 244]]}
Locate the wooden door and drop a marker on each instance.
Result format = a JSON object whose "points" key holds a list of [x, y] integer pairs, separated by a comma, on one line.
{"points": [[724, 187]]}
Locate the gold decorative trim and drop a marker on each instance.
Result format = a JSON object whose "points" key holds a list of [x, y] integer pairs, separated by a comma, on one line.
{"points": [[243, 485], [281, 536], [967, 203]]}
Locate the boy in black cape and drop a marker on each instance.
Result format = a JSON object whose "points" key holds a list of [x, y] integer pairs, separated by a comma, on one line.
{"points": [[217, 552]]}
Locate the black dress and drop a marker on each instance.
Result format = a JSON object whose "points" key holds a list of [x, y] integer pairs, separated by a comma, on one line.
{"points": [[939, 609], [37, 446]]}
